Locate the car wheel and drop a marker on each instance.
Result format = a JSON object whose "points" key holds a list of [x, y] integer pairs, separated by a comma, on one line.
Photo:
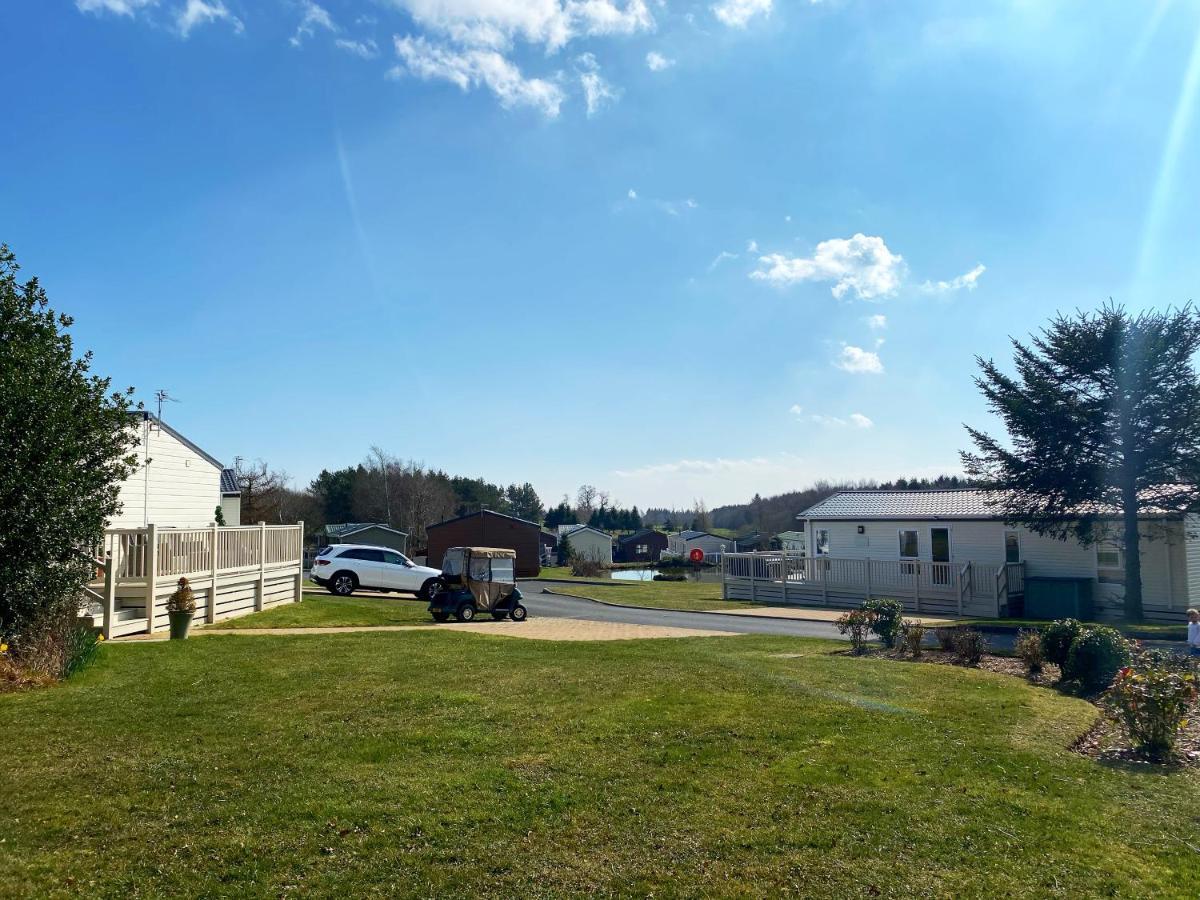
{"points": [[343, 584], [519, 613], [466, 612], [441, 616], [429, 589]]}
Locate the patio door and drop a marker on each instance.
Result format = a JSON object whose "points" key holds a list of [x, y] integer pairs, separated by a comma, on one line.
{"points": [[939, 552]]}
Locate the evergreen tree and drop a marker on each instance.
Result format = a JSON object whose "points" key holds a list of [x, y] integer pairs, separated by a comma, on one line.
{"points": [[1103, 420]]}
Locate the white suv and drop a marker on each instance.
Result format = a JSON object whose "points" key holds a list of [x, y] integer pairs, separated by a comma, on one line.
{"points": [[345, 568]]}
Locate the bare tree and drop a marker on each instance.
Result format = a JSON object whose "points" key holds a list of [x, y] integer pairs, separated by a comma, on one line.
{"points": [[585, 502], [262, 491]]}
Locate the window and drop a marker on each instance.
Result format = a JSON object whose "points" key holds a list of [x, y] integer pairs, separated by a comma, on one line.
{"points": [[908, 543], [1110, 563], [821, 544], [394, 559], [1012, 547], [363, 555], [642, 549]]}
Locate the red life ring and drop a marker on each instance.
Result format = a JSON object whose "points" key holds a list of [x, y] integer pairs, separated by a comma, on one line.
{"points": [[697, 555]]}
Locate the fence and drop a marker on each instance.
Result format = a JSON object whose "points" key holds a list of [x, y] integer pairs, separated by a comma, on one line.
{"points": [[231, 571], [923, 586]]}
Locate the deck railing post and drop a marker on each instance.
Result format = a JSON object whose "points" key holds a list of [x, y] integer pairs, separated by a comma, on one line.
{"points": [[917, 584], [261, 589], [825, 581], [784, 569], [868, 578], [151, 573], [300, 564], [212, 584], [110, 592]]}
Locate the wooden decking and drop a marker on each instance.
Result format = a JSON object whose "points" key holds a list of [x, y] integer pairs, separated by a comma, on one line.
{"points": [[961, 589], [232, 571]]}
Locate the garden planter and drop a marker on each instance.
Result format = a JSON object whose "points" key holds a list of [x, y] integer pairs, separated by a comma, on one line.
{"points": [[181, 622]]}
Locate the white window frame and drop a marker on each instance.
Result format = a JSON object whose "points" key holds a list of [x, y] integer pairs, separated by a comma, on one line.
{"points": [[1110, 574], [818, 542], [916, 533]]}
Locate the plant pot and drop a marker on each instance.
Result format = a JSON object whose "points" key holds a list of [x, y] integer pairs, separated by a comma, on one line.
{"points": [[180, 623]]}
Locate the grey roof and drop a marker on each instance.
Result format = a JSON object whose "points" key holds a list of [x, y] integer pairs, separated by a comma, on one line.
{"points": [[229, 485], [348, 528], [579, 528], [947, 504], [692, 535]]}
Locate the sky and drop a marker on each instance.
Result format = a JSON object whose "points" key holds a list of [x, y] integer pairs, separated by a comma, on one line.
{"points": [[677, 250]]}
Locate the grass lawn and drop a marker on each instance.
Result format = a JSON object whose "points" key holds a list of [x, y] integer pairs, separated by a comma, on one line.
{"points": [[438, 764], [662, 594], [325, 610]]}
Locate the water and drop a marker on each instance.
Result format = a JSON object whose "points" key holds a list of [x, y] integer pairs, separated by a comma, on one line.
{"points": [[706, 575]]}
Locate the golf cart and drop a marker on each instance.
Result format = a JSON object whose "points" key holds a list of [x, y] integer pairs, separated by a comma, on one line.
{"points": [[477, 580]]}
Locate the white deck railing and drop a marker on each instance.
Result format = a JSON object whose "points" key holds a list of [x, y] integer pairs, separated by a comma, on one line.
{"points": [[229, 569], [793, 577]]}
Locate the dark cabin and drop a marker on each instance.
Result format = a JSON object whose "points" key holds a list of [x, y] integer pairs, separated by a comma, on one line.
{"points": [[488, 529], [646, 545]]}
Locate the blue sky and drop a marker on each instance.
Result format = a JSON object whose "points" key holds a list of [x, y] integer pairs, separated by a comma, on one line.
{"points": [[676, 250]]}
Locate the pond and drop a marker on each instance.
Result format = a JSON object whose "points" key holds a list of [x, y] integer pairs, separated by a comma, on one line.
{"points": [[706, 575]]}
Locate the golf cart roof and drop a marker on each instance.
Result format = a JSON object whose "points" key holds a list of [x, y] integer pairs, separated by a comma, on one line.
{"points": [[486, 552]]}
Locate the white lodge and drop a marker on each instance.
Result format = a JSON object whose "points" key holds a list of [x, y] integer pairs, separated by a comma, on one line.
{"points": [[947, 551]]}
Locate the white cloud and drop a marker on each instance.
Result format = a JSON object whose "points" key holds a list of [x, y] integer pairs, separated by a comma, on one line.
{"points": [[201, 12], [738, 13], [862, 264], [968, 280], [720, 258], [117, 7], [551, 23], [857, 420], [877, 322], [597, 92], [632, 194], [656, 62], [859, 361], [472, 68], [718, 466], [314, 17], [690, 203], [367, 49], [752, 246], [796, 409]]}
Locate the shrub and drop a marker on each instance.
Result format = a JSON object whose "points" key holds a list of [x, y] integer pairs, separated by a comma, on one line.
{"points": [[1151, 701], [969, 646], [82, 645], [856, 624], [914, 635], [1096, 654], [1057, 640], [1030, 650], [886, 619], [182, 600], [664, 576], [582, 567], [946, 636]]}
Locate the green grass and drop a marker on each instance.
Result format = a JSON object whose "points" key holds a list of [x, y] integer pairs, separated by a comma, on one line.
{"points": [[437, 764], [319, 610], [661, 594]]}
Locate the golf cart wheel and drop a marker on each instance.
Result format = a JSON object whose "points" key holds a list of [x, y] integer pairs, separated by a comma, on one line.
{"points": [[343, 584], [429, 589], [519, 613], [441, 616], [466, 612]]}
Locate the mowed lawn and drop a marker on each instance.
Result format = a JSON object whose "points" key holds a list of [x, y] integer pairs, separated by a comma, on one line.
{"points": [[326, 610], [662, 594], [433, 763]]}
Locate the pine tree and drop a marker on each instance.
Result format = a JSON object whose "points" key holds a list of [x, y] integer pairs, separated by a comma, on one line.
{"points": [[1103, 419]]}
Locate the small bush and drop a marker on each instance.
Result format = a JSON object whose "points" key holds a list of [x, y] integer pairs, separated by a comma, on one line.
{"points": [[1030, 650], [886, 619], [661, 576], [969, 646], [1152, 701], [1096, 655], [1057, 640], [856, 624], [946, 636], [182, 600], [913, 634], [582, 567], [82, 646]]}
